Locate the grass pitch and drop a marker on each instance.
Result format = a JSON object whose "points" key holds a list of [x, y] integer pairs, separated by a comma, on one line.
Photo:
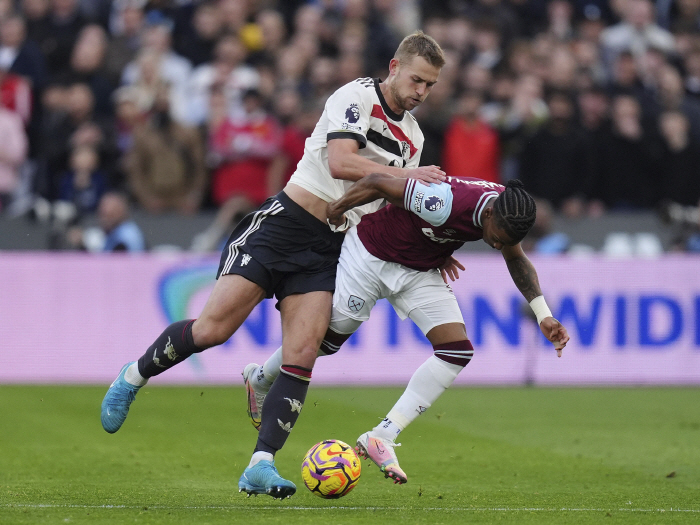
{"points": [[479, 455]]}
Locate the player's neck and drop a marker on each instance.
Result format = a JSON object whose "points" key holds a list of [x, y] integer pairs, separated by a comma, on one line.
{"points": [[389, 99]]}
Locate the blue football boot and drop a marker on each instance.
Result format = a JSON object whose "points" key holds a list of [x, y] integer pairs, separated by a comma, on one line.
{"points": [[262, 478], [118, 399]]}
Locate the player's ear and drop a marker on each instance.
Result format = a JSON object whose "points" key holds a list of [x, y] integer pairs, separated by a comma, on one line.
{"points": [[394, 66]]}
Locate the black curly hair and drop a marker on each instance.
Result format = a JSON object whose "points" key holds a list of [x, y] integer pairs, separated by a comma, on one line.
{"points": [[515, 210]]}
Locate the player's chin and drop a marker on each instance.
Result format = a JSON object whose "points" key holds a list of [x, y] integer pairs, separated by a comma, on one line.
{"points": [[411, 103]]}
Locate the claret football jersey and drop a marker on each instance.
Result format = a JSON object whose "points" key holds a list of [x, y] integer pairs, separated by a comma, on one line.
{"points": [[437, 220], [358, 111]]}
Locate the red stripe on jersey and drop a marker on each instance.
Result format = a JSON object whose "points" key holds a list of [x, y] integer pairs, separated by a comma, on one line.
{"points": [[378, 112]]}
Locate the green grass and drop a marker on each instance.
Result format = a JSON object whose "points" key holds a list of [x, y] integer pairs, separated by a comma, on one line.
{"points": [[480, 455]]}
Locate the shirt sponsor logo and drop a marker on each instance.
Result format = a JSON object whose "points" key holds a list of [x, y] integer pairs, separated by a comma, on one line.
{"points": [[417, 200], [434, 203], [428, 232]]}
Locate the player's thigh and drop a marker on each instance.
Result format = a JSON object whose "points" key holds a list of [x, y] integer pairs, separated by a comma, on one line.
{"points": [[358, 284], [446, 333], [230, 303], [305, 319], [427, 301]]}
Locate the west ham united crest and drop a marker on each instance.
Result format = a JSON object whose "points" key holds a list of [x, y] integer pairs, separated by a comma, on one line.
{"points": [[355, 303]]}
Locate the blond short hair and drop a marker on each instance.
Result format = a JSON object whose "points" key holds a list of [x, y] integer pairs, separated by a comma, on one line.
{"points": [[422, 45]]}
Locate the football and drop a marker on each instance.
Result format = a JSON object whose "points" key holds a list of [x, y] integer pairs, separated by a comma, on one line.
{"points": [[331, 469]]}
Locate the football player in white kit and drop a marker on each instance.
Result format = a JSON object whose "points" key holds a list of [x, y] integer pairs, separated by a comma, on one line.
{"points": [[288, 250], [403, 253]]}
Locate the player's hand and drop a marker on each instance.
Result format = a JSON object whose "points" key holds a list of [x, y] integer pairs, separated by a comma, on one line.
{"points": [[555, 332], [427, 174], [450, 268], [335, 214]]}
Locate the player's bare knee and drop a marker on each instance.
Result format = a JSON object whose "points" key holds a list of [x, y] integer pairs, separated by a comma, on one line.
{"points": [[207, 333], [304, 355]]}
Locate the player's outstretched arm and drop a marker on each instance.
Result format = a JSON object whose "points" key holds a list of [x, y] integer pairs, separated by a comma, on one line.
{"points": [[370, 188], [525, 278], [345, 163]]}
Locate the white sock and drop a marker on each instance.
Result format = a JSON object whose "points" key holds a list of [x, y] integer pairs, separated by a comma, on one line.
{"points": [[426, 385], [271, 369], [387, 429], [133, 377], [260, 456]]}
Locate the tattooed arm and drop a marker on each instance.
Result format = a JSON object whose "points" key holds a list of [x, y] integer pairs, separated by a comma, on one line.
{"points": [[525, 278], [522, 271]]}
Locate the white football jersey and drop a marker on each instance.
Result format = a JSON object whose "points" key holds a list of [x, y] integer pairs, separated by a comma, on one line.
{"points": [[358, 111]]}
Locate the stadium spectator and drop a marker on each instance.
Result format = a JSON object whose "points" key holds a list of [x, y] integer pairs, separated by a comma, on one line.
{"points": [[15, 94], [680, 160], [560, 18], [298, 120], [84, 183], [125, 39], [21, 56], [691, 64], [519, 121], [471, 145], [115, 230], [69, 122], [87, 67], [627, 174], [636, 33], [58, 32], [228, 70], [128, 113], [165, 166], [36, 14], [172, 69], [488, 51], [242, 150], [273, 32], [121, 233], [13, 153], [671, 95], [197, 45], [555, 162]]}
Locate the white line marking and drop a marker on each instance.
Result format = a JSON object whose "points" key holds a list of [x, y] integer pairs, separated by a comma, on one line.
{"points": [[336, 507]]}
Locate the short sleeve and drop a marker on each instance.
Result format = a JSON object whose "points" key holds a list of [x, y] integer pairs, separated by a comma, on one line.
{"points": [[348, 111], [431, 203]]}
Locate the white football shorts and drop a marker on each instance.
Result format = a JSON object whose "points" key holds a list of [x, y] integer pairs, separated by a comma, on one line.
{"points": [[363, 279]]}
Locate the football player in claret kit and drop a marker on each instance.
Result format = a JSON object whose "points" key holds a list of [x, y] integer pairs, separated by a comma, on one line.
{"points": [[288, 250], [403, 253]]}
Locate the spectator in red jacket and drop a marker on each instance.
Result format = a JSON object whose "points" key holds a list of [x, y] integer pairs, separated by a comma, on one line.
{"points": [[471, 146]]}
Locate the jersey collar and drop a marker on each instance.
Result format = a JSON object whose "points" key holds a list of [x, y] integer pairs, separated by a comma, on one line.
{"points": [[481, 206], [389, 113]]}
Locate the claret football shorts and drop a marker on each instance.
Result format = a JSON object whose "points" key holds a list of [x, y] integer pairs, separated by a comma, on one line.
{"points": [[363, 279], [284, 249]]}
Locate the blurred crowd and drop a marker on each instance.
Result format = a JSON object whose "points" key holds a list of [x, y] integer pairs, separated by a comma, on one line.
{"points": [[187, 105]]}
